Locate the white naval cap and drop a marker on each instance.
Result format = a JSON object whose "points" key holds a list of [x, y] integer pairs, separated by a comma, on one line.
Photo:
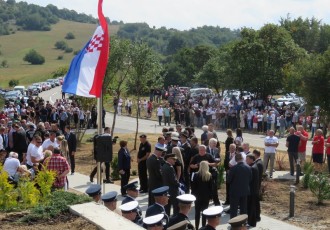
{"points": [[129, 206], [156, 220], [186, 198], [212, 212]]}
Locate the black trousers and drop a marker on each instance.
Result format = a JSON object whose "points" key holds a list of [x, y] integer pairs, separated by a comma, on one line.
{"points": [[292, 159], [234, 202], [124, 178], [258, 209], [107, 171], [143, 176], [72, 162], [200, 205], [172, 201], [252, 210], [215, 196], [160, 120], [186, 179]]}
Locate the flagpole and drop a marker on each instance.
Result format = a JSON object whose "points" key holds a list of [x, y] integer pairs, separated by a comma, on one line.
{"points": [[99, 132]]}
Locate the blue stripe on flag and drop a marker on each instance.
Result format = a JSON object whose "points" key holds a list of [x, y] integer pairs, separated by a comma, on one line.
{"points": [[72, 77]]}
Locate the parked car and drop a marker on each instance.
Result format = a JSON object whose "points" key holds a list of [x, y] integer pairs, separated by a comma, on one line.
{"points": [[197, 92], [45, 86], [57, 82], [38, 85], [51, 82], [20, 88], [13, 95], [32, 90]]}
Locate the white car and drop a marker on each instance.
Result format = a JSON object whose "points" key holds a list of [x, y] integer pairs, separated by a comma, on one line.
{"points": [[38, 86]]}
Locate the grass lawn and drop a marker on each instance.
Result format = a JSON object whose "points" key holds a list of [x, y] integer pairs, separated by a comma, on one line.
{"points": [[15, 46]]}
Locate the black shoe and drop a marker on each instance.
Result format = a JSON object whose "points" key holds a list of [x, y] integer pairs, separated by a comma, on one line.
{"points": [[258, 219], [226, 203], [91, 179], [228, 211], [301, 174], [108, 181]]}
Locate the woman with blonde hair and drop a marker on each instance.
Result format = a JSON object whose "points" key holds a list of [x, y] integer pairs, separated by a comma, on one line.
{"points": [[201, 187], [179, 164], [64, 148]]}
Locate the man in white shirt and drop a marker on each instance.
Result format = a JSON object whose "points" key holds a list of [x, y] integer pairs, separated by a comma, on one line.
{"points": [[50, 142], [160, 114], [271, 143], [11, 164], [34, 152]]}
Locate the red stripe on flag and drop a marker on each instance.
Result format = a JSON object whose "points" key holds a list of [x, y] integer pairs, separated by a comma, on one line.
{"points": [[104, 55]]}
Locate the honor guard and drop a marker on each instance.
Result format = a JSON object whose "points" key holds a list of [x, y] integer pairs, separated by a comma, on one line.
{"points": [[110, 201], [155, 222], [129, 211], [94, 191], [183, 225], [212, 215], [161, 199], [238, 222], [132, 193], [185, 202]]}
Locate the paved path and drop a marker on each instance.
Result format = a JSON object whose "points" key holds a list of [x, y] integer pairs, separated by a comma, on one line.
{"points": [[81, 182], [125, 124]]}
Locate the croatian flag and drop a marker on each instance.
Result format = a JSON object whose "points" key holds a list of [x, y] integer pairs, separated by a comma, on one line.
{"points": [[87, 69]]}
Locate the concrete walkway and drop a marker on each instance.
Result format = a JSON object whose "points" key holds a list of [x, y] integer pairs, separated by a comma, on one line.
{"points": [[91, 212]]}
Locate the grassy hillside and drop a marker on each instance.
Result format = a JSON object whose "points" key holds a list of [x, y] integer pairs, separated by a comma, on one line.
{"points": [[15, 46]]}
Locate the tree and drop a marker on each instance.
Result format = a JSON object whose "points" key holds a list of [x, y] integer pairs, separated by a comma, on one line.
{"points": [[258, 59], [13, 83], [70, 36], [61, 45], [34, 58], [118, 70], [146, 71]]}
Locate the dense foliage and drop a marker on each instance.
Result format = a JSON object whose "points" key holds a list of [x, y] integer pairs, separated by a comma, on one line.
{"points": [[169, 41], [34, 58], [34, 17]]}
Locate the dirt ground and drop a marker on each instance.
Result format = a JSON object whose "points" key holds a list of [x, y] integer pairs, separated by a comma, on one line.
{"points": [[67, 221]]}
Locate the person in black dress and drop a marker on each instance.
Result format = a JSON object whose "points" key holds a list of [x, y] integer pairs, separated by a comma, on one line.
{"points": [[124, 165], [201, 187]]}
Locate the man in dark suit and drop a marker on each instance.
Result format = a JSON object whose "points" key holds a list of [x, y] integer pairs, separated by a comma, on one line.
{"points": [[170, 180], [72, 145], [154, 170], [19, 139], [239, 179], [260, 166], [186, 154], [254, 191]]}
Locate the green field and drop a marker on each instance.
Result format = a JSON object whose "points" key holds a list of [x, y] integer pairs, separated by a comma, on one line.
{"points": [[15, 46]]}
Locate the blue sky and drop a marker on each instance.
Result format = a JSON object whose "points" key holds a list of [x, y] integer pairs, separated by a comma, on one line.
{"points": [[186, 14]]}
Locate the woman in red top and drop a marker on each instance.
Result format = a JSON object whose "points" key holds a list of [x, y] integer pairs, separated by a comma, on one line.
{"points": [[327, 149], [318, 149]]}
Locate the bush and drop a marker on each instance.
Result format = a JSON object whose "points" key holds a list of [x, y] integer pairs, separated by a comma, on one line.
{"points": [[45, 179], [308, 169], [4, 64], [60, 57], [68, 50], [115, 170], [76, 52], [70, 36], [61, 45], [34, 58], [320, 187], [13, 83], [8, 195], [221, 174], [28, 193], [59, 202]]}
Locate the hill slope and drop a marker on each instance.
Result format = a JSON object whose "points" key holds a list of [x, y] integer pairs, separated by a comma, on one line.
{"points": [[15, 46]]}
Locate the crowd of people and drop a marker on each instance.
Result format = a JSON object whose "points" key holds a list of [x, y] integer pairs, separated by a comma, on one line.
{"points": [[36, 133]]}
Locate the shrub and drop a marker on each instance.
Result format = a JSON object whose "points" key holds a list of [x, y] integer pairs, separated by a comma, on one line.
{"points": [[308, 169], [70, 36], [61, 45], [60, 57], [59, 202], [28, 193], [45, 180], [68, 50], [34, 58], [76, 52], [221, 174], [8, 196], [320, 187], [4, 64], [13, 83], [114, 166]]}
